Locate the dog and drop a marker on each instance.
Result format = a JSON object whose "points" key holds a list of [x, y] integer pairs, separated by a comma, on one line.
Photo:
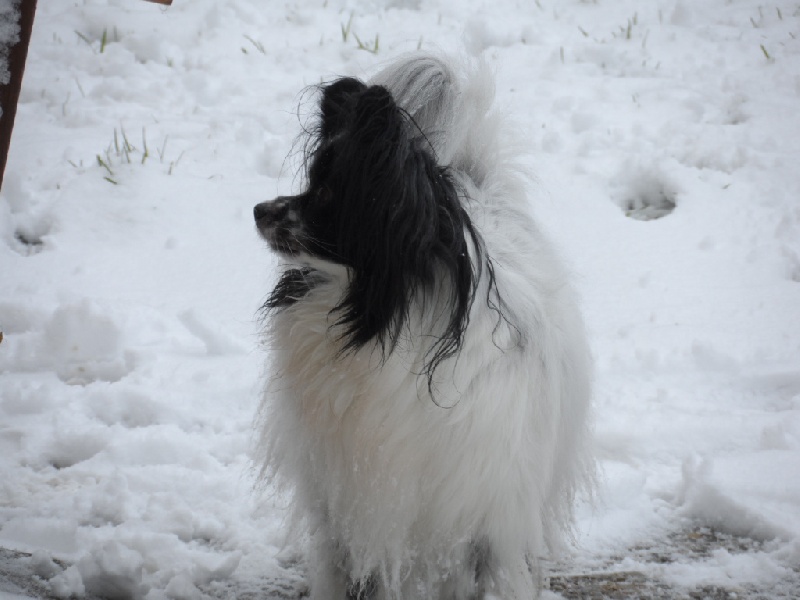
{"points": [[429, 393]]}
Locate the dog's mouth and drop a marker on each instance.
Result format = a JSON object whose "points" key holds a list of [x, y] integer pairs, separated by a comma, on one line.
{"points": [[278, 226], [281, 224], [280, 239]]}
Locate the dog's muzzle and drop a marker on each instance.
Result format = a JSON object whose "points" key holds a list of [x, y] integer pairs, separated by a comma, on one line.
{"points": [[272, 211], [277, 222]]}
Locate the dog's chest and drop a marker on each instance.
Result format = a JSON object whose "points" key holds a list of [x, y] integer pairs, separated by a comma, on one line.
{"points": [[326, 384]]}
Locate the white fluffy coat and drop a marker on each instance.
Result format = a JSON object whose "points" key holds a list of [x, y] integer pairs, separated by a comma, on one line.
{"points": [[398, 485]]}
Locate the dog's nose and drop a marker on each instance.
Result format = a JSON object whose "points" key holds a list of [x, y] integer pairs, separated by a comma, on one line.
{"points": [[272, 210], [262, 210]]}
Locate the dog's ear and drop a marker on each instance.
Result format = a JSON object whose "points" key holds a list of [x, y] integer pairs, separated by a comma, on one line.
{"points": [[336, 104], [403, 230], [377, 119]]}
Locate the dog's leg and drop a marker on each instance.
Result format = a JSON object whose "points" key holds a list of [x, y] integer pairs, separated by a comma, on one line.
{"points": [[329, 580], [466, 581], [362, 590], [515, 580]]}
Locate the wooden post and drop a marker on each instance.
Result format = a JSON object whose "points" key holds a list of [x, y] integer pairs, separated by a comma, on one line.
{"points": [[9, 93]]}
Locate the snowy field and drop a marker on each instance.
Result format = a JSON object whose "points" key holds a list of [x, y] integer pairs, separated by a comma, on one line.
{"points": [[665, 141]]}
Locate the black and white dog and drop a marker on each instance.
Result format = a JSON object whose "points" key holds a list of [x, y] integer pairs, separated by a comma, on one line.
{"points": [[430, 378]]}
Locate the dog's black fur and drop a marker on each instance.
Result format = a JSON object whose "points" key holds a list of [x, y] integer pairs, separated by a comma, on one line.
{"points": [[376, 202]]}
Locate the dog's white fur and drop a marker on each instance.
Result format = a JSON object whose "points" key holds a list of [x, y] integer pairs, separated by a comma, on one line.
{"points": [[399, 485]]}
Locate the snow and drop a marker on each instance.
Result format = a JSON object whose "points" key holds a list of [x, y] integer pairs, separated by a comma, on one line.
{"points": [[9, 35], [665, 139]]}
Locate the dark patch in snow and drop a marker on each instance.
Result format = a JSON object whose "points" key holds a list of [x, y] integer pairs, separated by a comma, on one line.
{"points": [[651, 203], [686, 546], [30, 244], [18, 575], [293, 587], [646, 194]]}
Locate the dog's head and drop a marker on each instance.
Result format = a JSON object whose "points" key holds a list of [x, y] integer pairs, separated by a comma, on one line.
{"points": [[377, 203]]}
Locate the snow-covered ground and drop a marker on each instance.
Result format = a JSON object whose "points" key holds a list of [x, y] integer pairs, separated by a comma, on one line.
{"points": [[131, 275]]}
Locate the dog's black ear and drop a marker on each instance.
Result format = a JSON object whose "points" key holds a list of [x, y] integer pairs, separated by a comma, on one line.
{"points": [[403, 230], [377, 119], [336, 104]]}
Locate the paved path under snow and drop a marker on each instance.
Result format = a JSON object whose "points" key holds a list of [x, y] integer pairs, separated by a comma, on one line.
{"points": [[18, 581]]}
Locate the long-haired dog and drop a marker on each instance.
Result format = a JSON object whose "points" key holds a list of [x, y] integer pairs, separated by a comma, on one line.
{"points": [[430, 378]]}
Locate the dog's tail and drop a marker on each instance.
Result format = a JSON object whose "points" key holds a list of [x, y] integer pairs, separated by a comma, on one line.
{"points": [[448, 99]]}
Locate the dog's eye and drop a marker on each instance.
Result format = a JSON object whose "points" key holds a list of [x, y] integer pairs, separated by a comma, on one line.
{"points": [[321, 165], [324, 194]]}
